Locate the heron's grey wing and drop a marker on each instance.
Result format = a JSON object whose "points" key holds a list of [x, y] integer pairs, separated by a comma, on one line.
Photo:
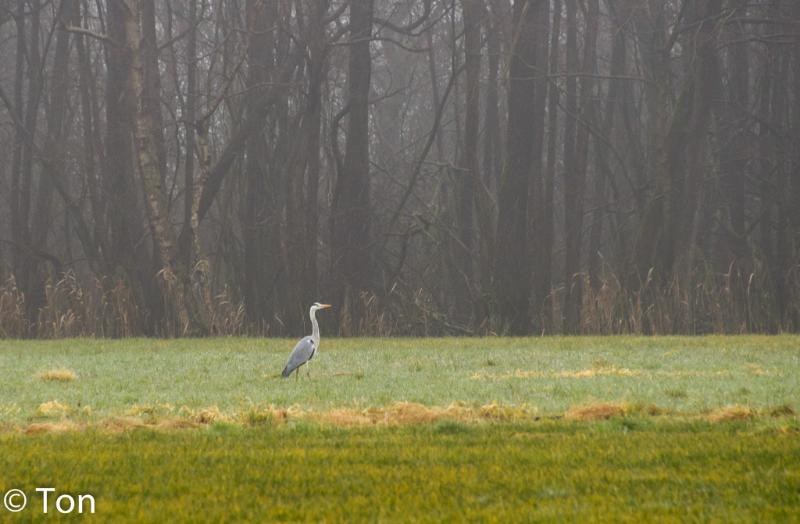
{"points": [[301, 354]]}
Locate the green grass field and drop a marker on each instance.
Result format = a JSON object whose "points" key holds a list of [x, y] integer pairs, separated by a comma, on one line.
{"points": [[512, 449], [606, 471], [689, 375]]}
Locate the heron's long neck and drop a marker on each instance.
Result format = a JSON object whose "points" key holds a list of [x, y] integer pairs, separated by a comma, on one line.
{"points": [[315, 328]]}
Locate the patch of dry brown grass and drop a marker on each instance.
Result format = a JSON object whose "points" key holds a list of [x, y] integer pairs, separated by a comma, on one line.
{"points": [[678, 373], [52, 408], [207, 415], [596, 411], [755, 369], [175, 423], [599, 372], [412, 413], [610, 371], [732, 413], [499, 412], [162, 417], [255, 415], [583, 373], [58, 375], [121, 424], [401, 413], [346, 417], [151, 410], [38, 428], [397, 413]]}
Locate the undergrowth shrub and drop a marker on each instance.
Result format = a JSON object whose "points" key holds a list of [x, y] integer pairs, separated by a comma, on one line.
{"points": [[733, 302]]}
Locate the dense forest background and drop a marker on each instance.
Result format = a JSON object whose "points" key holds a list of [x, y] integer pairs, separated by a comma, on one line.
{"points": [[429, 167]]}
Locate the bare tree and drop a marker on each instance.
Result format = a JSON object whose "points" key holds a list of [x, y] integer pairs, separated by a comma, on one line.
{"points": [[512, 266], [350, 213]]}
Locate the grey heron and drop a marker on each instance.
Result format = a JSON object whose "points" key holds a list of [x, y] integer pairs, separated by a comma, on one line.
{"points": [[305, 350]]}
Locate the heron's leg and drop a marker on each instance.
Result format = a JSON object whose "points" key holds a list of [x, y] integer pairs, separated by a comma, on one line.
{"points": [[308, 369], [297, 374]]}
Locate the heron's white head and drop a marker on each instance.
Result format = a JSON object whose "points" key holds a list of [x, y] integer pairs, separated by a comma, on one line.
{"points": [[317, 306]]}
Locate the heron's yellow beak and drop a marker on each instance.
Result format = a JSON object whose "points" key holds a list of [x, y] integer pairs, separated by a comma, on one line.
{"points": [[324, 306]]}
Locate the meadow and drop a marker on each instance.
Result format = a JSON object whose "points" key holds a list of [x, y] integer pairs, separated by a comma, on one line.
{"points": [[494, 429], [546, 375], [604, 471]]}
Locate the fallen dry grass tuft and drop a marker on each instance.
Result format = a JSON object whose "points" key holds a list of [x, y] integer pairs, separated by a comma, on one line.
{"points": [[401, 413], [58, 375], [582, 373], [165, 418], [266, 415], [50, 427], [121, 424], [606, 372], [176, 423], [412, 413], [52, 408], [346, 417], [597, 411], [731, 413], [397, 413], [151, 410], [207, 415], [599, 372], [755, 369]]}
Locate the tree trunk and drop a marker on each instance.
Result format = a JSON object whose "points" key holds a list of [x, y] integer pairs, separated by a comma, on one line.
{"points": [[704, 76], [91, 146], [468, 166], [260, 250], [312, 127], [543, 277], [513, 266], [54, 143], [538, 186], [152, 81], [492, 145], [191, 140], [170, 275], [794, 202], [18, 228], [650, 247], [603, 173], [28, 279], [350, 214], [125, 257], [574, 173], [735, 154]]}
